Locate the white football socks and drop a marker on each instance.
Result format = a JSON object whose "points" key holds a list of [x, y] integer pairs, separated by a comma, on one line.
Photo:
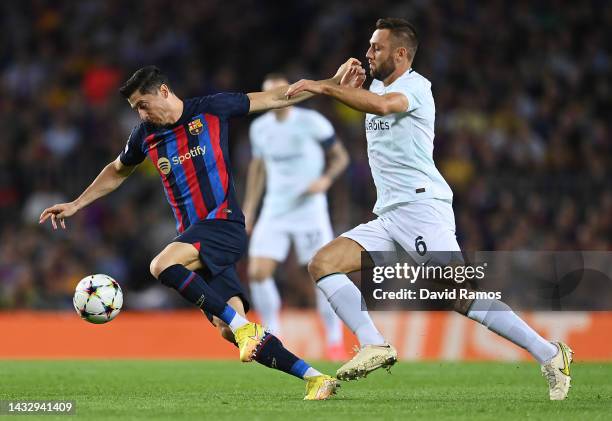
{"points": [[331, 321], [345, 298], [237, 322], [311, 372], [267, 303], [500, 318]]}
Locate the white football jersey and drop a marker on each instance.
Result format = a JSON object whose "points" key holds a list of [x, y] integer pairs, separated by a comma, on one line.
{"points": [[293, 153], [400, 146]]}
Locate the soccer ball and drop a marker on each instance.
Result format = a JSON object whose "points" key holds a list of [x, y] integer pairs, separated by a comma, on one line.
{"points": [[98, 298]]}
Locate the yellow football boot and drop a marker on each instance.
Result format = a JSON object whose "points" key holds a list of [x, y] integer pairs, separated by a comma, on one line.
{"points": [[319, 388], [249, 337]]}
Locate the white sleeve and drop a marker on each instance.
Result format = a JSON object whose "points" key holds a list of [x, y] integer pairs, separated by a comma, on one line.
{"points": [[253, 137], [322, 129], [412, 92], [414, 99]]}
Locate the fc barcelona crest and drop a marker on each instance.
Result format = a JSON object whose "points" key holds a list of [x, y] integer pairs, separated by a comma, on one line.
{"points": [[196, 127]]}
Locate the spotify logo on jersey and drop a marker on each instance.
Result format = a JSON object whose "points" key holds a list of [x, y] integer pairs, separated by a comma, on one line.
{"points": [[196, 151], [164, 165]]}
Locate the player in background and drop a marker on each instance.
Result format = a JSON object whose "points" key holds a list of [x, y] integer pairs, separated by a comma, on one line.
{"points": [[296, 156], [413, 201], [187, 141]]}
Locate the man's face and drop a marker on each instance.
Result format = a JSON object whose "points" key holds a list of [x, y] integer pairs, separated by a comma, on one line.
{"points": [[380, 54], [151, 108]]}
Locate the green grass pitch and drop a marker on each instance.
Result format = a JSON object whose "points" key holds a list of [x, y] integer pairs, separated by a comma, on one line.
{"points": [[211, 390]]}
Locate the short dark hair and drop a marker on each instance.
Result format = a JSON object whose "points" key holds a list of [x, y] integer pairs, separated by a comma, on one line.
{"points": [[146, 80], [403, 32]]}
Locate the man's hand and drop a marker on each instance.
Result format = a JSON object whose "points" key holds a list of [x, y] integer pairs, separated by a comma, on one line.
{"points": [[320, 185], [350, 73], [59, 213], [354, 77], [344, 68], [304, 85]]}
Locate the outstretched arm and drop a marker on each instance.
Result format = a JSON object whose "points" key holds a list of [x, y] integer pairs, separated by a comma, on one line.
{"points": [[277, 98], [357, 98], [108, 180]]}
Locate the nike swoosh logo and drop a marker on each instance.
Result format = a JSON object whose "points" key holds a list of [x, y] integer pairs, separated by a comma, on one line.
{"points": [[155, 144], [255, 334], [565, 370]]}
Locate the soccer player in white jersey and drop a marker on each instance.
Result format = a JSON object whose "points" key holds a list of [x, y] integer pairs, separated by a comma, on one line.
{"points": [[296, 156], [413, 200]]}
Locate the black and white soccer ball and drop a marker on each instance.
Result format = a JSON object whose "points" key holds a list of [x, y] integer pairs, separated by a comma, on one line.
{"points": [[98, 298]]}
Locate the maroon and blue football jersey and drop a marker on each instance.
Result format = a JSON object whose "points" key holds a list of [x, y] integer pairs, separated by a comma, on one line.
{"points": [[192, 158]]}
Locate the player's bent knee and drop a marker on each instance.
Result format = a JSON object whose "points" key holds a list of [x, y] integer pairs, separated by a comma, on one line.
{"points": [[175, 254], [321, 265], [256, 274], [156, 267], [159, 264], [342, 255], [261, 269]]}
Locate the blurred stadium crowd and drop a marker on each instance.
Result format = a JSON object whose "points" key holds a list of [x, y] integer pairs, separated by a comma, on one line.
{"points": [[522, 89]]}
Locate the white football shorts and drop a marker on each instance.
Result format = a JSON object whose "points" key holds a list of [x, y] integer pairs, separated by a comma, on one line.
{"points": [[272, 237], [418, 228]]}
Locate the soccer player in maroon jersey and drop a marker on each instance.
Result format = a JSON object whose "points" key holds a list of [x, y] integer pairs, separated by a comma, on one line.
{"points": [[187, 140]]}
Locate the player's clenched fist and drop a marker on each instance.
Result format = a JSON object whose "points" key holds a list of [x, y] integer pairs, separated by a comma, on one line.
{"points": [[350, 74], [59, 213], [344, 68], [354, 77]]}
